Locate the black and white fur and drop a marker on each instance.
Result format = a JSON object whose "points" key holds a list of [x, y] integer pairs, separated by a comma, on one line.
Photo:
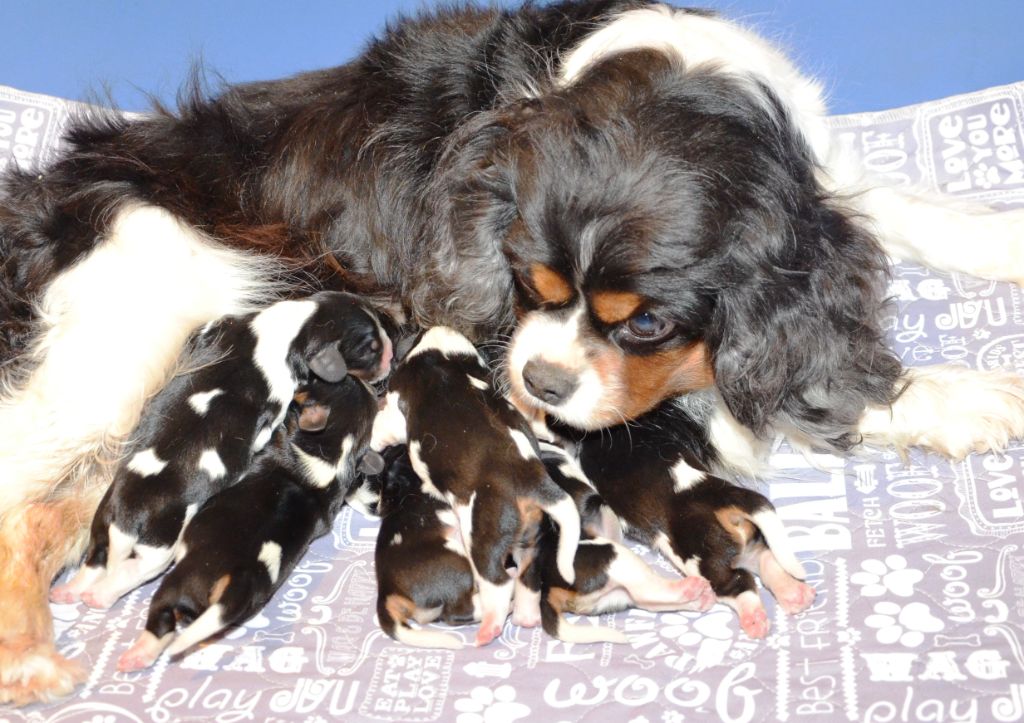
{"points": [[423, 571], [200, 433], [474, 451], [242, 545], [609, 576], [405, 174], [707, 527]]}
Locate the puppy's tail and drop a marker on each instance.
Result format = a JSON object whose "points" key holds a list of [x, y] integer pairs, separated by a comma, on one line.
{"points": [[394, 612], [558, 627], [565, 513], [767, 520]]}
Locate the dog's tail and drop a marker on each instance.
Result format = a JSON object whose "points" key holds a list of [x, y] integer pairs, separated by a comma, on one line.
{"points": [[564, 512], [767, 521], [558, 627], [394, 612]]}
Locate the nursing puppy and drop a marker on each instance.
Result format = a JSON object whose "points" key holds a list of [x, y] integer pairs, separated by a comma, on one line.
{"points": [[423, 572], [707, 527], [609, 576], [240, 547], [200, 433], [474, 451]]}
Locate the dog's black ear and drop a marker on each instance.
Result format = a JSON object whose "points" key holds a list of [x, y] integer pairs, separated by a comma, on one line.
{"points": [[795, 336], [329, 364], [371, 463]]}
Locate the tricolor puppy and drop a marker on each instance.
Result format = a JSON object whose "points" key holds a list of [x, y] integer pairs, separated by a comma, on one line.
{"points": [[423, 572], [473, 450], [243, 543], [200, 433], [609, 576], [704, 525]]}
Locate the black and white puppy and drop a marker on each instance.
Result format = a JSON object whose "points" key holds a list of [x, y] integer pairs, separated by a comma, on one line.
{"points": [[200, 433], [609, 576], [288, 498], [423, 571], [473, 450], [707, 527]]}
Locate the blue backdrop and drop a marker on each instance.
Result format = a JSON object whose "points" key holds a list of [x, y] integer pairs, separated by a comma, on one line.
{"points": [[872, 54]]}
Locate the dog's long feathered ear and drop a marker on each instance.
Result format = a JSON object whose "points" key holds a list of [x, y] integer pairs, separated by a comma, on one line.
{"points": [[796, 336], [473, 192]]}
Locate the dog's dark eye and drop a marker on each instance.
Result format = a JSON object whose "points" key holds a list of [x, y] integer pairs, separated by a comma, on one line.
{"points": [[648, 327]]}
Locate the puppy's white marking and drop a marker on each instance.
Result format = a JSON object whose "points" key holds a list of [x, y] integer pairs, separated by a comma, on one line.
{"points": [[447, 341], [397, 539], [389, 426], [201, 628], [211, 463], [316, 471], [478, 383], [768, 521], [262, 437], [146, 463], [685, 476], [275, 328], [270, 555], [423, 472], [522, 444], [200, 401], [451, 535]]}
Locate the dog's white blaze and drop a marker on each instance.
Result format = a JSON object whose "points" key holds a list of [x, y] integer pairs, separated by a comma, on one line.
{"points": [[478, 383], [276, 328], [211, 463], [557, 341], [270, 555], [685, 476], [710, 41], [522, 444], [118, 319], [200, 401], [317, 472], [146, 463], [389, 426], [423, 472], [445, 340]]}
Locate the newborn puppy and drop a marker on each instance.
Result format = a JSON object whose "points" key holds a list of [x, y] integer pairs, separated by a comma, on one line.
{"points": [[423, 573], [704, 525], [243, 543], [609, 576], [473, 450], [200, 432]]}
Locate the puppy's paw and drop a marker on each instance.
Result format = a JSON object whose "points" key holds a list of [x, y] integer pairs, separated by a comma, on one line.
{"points": [[97, 599], [795, 597], [489, 630], [142, 654], [753, 616], [65, 594], [31, 672], [696, 592]]}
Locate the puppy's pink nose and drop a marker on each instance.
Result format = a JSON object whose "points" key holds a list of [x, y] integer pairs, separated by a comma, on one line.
{"points": [[550, 383]]}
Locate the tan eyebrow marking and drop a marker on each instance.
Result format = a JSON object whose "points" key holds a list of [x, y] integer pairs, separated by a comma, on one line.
{"points": [[550, 285], [612, 307]]}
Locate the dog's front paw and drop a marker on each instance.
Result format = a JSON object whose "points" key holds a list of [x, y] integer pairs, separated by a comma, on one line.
{"points": [[951, 410], [33, 671]]}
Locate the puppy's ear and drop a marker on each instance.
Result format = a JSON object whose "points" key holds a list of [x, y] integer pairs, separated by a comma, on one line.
{"points": [[795, 336], [313, 417], [329, 364]]}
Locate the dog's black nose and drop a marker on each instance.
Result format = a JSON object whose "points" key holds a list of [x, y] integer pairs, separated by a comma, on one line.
{"points": [[549, 382]]}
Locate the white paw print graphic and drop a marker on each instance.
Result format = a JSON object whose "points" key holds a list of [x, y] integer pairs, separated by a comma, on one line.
{"points": [[876, 577], [904, 624], [690, 631], [490, 706]]}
